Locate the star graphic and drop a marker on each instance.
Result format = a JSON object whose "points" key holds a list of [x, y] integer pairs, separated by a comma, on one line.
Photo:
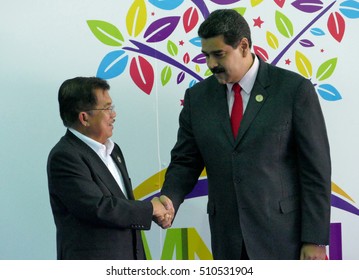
{"points": [[322, 50], [181, 43], [153, 13], [288, 62], [182, 102], [258, 22]]}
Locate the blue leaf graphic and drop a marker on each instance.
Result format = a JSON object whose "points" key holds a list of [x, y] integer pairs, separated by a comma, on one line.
{"points": [[350, 9], [328, 92], [192, 83], [196, 41], [166, 4], [112, 65], [317, 32]]}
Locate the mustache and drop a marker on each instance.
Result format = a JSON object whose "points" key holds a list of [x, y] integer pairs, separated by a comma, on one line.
{"points": [[217, 70]]}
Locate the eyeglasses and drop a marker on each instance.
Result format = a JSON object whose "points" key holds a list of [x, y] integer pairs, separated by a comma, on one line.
{"points": [[110, 109]]}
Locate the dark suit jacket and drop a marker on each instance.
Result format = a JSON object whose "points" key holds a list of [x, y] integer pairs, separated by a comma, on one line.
{"points": [[271, 186], [93, 218]]}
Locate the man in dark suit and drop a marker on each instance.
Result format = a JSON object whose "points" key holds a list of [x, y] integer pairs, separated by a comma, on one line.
{"points": [[269, 182], [91, 196]]}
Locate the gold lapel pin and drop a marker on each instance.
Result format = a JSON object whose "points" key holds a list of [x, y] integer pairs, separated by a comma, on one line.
{"points": [[259, 98]]}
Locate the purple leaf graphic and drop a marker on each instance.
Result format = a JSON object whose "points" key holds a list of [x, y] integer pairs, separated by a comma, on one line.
{"points": [[180, 77], [308, 6], [306, 43], [200, 59], [161, 29], [224, 2]]}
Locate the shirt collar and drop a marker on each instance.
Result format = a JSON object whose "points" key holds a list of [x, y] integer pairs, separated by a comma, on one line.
{"points": [[249, 78], [99, 148]]}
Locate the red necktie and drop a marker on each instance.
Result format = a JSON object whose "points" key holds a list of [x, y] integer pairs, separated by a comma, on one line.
{"points": [[237, 109]]}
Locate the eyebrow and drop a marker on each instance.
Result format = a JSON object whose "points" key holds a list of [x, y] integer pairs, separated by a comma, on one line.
{"points": [[213, 52], [107, 104]]}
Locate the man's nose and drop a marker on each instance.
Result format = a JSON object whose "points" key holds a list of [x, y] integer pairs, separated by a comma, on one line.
{"points": [[211, 62]]}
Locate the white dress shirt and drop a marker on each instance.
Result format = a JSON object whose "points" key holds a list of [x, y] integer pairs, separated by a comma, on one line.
{"points": [[104, 152], [246, 84]]}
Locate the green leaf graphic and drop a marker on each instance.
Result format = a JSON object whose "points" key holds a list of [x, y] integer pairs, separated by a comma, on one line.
{"points": [[166, 75], [326, 69], [208, 73], [172, 48], [284, 25], [106, 32], [240, 10], [272, 40]]}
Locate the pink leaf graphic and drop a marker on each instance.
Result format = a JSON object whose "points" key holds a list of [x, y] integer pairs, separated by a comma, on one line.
{"points": [[161, 29], [186, 58], [190, 19], [336, 26], [262, 53], [142, 74], [280, 3]]}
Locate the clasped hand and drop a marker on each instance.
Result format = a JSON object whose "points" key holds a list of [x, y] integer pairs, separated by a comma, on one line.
{"points": [[163, 211]]}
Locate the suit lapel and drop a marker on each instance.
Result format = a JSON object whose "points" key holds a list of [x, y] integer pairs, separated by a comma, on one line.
{"points": [[118, 159], [221, 104], [98, 165], [259, 96]]}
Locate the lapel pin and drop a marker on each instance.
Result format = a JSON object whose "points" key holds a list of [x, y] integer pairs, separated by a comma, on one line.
{"points": [[119, 159], [259, 98]]}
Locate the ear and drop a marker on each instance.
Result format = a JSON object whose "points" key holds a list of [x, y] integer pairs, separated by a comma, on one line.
{"points": [[244, 46], [83, 118]]}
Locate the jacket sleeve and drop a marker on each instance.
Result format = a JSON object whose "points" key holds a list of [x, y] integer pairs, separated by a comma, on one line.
{"points": [[76, 189], [186, 161], [314, 165]]}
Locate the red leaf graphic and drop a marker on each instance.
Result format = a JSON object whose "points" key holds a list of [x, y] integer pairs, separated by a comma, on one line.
{"points": [[186, 58], [190, 19], [336, 26], [142, 74], [280, 3], [262, 53]]}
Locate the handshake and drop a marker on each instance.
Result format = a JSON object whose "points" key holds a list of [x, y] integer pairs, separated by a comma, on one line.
{"points": [[163, 211]]}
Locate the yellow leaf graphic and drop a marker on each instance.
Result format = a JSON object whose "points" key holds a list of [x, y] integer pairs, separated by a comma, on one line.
{"points": [[303, 64], [198, 69], [272, 40], [256, 2], [136, 18]]}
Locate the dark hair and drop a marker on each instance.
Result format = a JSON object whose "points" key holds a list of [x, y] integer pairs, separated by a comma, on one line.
{"points": [[226, 22], [77, 95]]}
